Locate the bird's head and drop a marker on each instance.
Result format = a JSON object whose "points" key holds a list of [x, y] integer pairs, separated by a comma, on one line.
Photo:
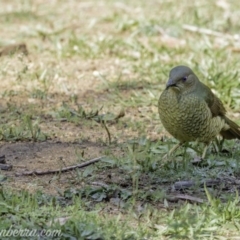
{"points": [[181, 79]]}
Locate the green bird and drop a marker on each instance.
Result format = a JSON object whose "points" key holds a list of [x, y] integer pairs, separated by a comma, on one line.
{"points": [[190, 111]]}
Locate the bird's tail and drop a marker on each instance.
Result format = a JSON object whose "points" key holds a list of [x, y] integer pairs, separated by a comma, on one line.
{"points": [[232, 132]]}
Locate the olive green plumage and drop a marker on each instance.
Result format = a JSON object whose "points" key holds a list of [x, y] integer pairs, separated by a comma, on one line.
{"points": [[190, 111]]}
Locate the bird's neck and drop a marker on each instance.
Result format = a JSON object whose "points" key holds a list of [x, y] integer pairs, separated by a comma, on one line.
{"points": [[178, 92]]}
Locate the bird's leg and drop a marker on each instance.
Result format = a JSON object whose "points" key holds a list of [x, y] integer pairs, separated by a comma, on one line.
{"points": [[172, 150], [205, 151], [216, 146], [221, 144]]}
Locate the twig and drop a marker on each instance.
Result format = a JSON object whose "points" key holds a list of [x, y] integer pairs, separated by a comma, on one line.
{"points": [[5, 167], [103, 123], [183, 184], [186, 197], [75, 113], [100, 118], [210, 32], [19, 166], [3, 159], [37, 172], [120, 114], [101, 184], [14, 48], [64, 164], [188, 184]]}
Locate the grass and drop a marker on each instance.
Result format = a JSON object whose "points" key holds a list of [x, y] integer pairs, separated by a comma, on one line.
{"points": [[89, 87]]}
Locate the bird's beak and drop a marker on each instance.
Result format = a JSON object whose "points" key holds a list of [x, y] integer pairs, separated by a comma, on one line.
{"points": [[170, 83]]}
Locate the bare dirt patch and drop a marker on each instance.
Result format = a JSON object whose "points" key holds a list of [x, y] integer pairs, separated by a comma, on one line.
{"points": [[45, 156]]}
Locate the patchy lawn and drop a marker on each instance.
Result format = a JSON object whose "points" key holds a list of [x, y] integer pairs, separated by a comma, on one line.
{"points": [[81, 80]]}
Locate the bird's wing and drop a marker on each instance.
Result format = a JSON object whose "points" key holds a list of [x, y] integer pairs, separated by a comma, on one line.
{"points": [[214, 103], [217, 109]]}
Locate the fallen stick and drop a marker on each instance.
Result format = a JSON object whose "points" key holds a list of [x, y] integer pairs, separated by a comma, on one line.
{"points": [[66, 169], [210, 32], [5, 167], [100, 184], [185, 197], [3, 159], [188, 184], [14, 48]]}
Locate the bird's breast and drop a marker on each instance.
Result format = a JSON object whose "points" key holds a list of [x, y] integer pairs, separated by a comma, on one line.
{"points": [[186, 116]]}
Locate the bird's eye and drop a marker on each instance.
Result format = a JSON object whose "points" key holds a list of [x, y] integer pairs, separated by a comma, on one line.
{"points": [[184, 79]]}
